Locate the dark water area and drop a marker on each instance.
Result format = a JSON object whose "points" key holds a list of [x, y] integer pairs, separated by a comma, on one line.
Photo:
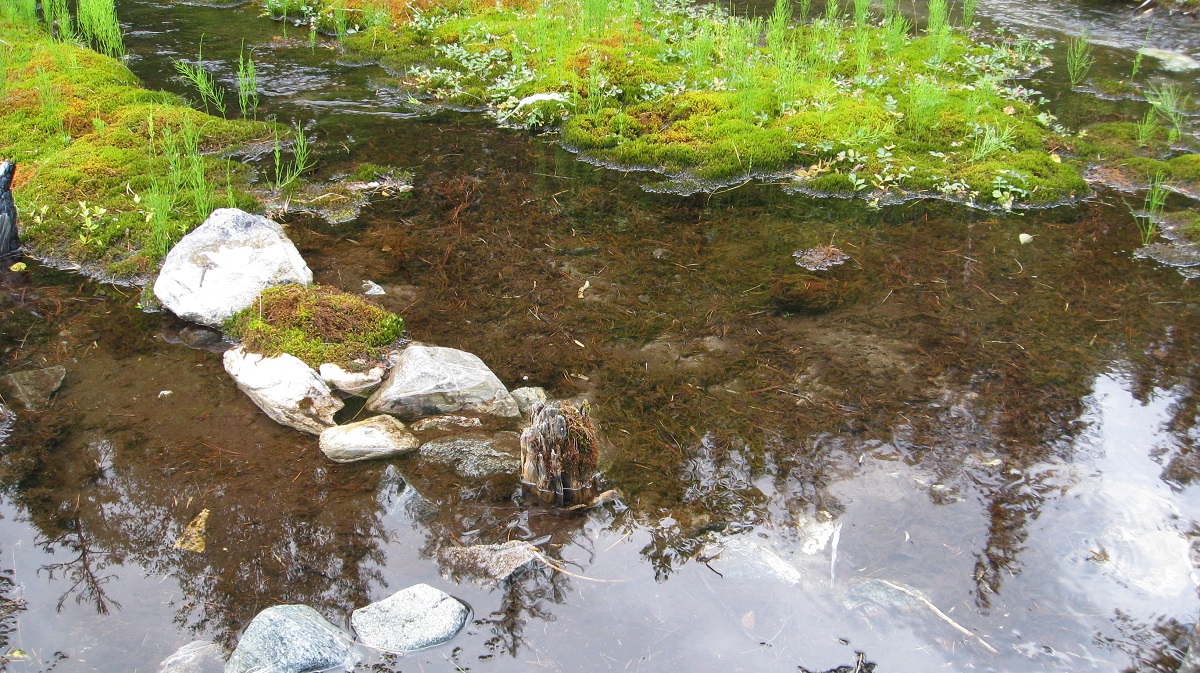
{"points": [[972, 434]]}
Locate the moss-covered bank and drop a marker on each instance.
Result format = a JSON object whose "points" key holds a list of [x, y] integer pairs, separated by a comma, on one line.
{"points": [[109, 174], [848, 102]]}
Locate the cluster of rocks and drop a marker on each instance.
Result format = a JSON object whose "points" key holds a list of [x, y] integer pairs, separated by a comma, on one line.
{"points": [[448, 396], [297, 639], [221, 267]]}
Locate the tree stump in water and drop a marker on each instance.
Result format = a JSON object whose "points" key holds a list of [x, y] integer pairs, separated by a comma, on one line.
{"points": [[559, 455]]}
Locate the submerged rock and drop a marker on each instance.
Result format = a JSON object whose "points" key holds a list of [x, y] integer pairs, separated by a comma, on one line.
{"points": [[354, 383], [430, 380], [7, 419], [445, 423], [474, 457], [290, 639], [738, 557], [198, 656], [34, 387], [283, 386], [1171, 60], [488, 563], [377, 437], [397, 497], [527, 397], [412, 619], [221, 266]]}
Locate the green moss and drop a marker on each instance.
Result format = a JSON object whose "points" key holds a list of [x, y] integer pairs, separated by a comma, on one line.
{"points": [[317, 325], [89, 144], [694, 92]]}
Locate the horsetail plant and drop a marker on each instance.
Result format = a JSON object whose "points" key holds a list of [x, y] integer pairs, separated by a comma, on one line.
{"points": [[1079, 58], [247, 82], [203, 81]]}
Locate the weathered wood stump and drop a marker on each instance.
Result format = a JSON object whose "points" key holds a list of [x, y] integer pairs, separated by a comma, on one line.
{"points": [[560, 454]]}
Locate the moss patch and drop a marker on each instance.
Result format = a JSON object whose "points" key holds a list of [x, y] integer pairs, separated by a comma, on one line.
{"points": [[861, 104], [109, 174], [316, 324]]}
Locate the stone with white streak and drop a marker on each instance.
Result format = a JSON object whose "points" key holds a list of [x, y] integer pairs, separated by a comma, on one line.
{"points": [[411, 619], [221, 266], [431, 381], [285, 387], [377, 437], [354, 383]]}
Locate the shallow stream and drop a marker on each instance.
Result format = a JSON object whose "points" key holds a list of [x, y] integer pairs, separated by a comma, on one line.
{"points": [[979, 437]]}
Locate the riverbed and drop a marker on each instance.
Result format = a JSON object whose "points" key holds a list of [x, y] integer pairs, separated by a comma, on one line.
{"points": [[979, 454]]}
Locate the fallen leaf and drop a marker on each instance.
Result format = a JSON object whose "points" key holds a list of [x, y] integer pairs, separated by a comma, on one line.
{"points": [[192, 538]]}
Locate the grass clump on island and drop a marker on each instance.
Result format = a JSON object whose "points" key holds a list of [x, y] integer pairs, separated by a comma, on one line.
{"points": [[316, 324], [110, 175], [847, 102]]}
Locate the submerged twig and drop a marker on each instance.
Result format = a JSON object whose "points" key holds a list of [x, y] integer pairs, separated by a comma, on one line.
{"points": [[939, 613]]}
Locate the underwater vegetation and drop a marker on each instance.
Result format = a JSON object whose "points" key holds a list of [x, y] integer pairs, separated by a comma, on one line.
{"points": [[110, 174]]}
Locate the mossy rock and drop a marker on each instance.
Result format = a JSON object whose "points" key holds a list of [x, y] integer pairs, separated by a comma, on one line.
{"points": [[316, 324]]}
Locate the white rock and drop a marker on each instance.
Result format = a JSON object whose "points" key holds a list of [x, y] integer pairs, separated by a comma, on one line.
{"points": [[540, 98], [412, 619], [354, 383], [527, 397], [431, 381], [736, 556], [283, 386], [373, 288], [221, 266], [377, 437]]}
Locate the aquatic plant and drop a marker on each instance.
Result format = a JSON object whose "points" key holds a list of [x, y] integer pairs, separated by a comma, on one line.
{"points": [[287, 172], [97, 21], [989, 140], [203, 81], [247, 78], [58, 15], [1170, 103], [1152, 209], [1147, 126], [316, 324], [1079, 57], [968, 13]]}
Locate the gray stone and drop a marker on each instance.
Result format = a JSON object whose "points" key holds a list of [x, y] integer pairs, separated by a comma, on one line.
{"points": [[445, 423], [527, 397], [473, 457], [283, 386], [290, 639], [354, 383], [488, 563], [198, 656], [34, 387], [430, 381], [376, 437], [412, 619], [221, 266]]}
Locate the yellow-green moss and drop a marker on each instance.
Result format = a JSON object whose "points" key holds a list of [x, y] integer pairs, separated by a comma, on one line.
{"points": [[317, 325], [79, 127]]}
